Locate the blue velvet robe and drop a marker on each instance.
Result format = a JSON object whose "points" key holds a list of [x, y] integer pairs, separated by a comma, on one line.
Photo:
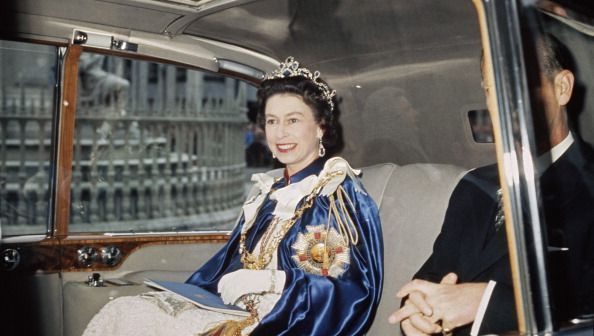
{"points": [[312, 304]]}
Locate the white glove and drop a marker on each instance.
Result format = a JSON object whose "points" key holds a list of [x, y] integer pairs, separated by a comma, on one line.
{"points": [[234, 285]]}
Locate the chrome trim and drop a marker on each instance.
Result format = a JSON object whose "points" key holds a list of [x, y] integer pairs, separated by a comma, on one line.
{"points": [[10, 259], [164, 233], [51, 228], [583, 319], [95, 280], [92, 39], [239, 68], [518, 145], [101, 40], [86, 256], [110, 255]]}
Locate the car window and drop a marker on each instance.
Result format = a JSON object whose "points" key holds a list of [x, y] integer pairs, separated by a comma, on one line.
{"points": [[543, 127], [565, 173], [158, 147], [481, 126], [548, 164], [28, 74]]}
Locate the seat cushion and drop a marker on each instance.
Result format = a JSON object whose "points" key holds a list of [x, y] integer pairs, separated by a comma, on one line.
{"points": [[412, 204]]}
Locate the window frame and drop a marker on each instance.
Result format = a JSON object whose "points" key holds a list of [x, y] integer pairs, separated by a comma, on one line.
{"points": [[505, 67]]}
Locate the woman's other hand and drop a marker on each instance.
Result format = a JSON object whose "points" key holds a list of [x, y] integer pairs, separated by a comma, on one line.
{"points": [[234, 285]]}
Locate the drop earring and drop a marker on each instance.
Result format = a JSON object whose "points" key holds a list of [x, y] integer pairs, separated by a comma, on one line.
{"points": [[321, 150]]}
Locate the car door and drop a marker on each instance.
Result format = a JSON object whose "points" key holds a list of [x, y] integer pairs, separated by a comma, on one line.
{"points": [[115, 169]]}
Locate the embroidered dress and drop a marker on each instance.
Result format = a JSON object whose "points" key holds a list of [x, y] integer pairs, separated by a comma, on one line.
{"points": [[320, 228]]}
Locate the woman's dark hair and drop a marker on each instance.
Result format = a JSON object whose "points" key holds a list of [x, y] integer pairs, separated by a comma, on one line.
{"points": [[311, 94]]}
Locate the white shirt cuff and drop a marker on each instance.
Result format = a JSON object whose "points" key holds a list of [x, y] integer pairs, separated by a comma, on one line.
{"points": [[482, 308]]}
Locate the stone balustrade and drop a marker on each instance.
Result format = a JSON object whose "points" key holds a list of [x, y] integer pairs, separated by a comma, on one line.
{"points": [[138, 166]]}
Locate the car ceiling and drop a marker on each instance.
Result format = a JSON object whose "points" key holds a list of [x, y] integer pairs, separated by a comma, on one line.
{"points": [[318, 32], [338, 33], [370, 51]]}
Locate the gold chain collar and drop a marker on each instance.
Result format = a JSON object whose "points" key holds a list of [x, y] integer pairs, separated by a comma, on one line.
{"points": [[249, 260]]}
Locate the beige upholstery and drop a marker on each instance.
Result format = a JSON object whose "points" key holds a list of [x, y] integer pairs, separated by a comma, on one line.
{"points": [[170, 262], [412, 200]]}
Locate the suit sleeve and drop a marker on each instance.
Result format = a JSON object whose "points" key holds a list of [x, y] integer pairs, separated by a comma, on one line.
{"points": [[471, 210], [446, 246]]}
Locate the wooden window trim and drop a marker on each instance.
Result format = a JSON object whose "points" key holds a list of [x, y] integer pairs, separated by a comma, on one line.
{"points": [[65, 147]]}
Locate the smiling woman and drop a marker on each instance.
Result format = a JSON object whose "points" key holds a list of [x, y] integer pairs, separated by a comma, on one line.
{"points": [[306, 240]]}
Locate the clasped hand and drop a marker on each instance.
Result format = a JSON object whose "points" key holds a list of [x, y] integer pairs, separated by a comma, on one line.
{"points": [[435, 307]]}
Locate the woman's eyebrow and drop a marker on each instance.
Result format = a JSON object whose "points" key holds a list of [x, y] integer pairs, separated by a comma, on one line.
{"points": [[290, 114]]}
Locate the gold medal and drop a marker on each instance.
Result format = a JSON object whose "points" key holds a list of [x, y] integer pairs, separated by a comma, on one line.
{"points": [[321, 251]]}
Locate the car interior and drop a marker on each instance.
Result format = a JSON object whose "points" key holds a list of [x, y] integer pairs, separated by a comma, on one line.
{"points": [[136, 182]]}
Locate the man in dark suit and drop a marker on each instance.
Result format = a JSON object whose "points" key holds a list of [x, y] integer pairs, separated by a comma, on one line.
{"points": [[465, 285]]}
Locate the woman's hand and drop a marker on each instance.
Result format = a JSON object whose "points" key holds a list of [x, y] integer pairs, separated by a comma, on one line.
{"points": [[234, 285]]}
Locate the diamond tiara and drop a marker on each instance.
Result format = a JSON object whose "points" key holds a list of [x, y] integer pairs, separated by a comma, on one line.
{"points": [[290, 68]]}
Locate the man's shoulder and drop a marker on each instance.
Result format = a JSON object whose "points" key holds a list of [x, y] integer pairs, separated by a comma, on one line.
{"points": [[488, 172], [485, 178]]}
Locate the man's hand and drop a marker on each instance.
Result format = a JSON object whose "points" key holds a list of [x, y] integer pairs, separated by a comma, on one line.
{"points": [[414, 316], [412, 319], [453, 304]]}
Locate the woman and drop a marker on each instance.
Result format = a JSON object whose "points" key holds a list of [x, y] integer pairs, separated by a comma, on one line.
{"points": [[306, 257]]}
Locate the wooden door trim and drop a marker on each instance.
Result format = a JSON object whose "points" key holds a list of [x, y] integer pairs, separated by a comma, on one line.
{"points": [[65, 147], [51, 255]]}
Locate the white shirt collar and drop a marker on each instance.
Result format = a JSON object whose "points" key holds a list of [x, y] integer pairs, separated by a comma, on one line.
{"points": [[545, 160]]}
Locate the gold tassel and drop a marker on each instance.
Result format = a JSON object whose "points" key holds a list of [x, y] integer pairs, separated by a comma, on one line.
{"points": [[232, 327], [227, 328], [346, 227]]}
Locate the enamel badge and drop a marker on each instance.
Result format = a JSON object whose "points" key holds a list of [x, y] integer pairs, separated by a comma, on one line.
{"points": [[321, 251]]}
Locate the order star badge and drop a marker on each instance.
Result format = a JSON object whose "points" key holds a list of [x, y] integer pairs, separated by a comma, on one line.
{"points": [[321, 251]]}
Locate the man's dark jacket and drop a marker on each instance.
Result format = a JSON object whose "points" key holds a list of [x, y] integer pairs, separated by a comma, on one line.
{"points": [[470, 246]]}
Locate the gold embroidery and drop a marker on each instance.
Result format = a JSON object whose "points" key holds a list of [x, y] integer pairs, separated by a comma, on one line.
{"points": [[168, 303]]}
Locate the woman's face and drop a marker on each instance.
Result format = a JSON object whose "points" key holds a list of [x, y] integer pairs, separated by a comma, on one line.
{"points": [[292, 132]]}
